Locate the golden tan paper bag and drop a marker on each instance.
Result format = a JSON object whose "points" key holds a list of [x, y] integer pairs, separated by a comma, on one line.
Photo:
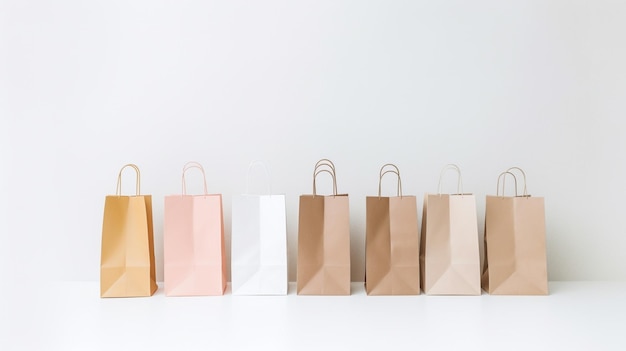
{"points": [[324, 240], [391, 242], [515, 243], [127, 265], [449, 251]]}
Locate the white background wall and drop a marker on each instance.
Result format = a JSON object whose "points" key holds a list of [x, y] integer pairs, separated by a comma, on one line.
{"points": [[86, 87]]}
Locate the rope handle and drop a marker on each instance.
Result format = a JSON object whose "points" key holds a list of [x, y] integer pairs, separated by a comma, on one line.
{"points": [[118, 189], [267, 176], [334, 181], [324, 163], [191, 164], [525, 193], [382, 173], [317, 170], [459, 185], [188, 166], [503, 177]]}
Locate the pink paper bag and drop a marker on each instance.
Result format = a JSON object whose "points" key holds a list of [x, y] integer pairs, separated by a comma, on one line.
{"points": [[193, 243]]}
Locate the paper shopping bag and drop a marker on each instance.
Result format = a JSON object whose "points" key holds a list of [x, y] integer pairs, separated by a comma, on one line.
{"points": [[127, 266], [193, 242], [515, 243], [391, 242], [324, 240], [449, 251], [259, 242]]}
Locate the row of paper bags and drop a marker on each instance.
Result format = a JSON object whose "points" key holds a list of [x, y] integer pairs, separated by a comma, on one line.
{"points": [[443, 261]]}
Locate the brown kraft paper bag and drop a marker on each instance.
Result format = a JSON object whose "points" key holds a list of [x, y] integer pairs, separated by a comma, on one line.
{"points": [[449, 251], [391, 242], [127, 266], [515, 243], [324, 240]]}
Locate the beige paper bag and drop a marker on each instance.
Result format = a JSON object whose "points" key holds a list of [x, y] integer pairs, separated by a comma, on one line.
{"points": [[391, 242], [324, 240], [449, 252], [127, 265], [515, 243]]}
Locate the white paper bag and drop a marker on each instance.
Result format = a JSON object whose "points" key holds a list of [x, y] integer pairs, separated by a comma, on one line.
{"points": [[259, 243]]}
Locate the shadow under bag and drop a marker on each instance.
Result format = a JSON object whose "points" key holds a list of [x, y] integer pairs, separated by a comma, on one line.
{"points": [[391, 242], [324, 240], [515, 242], [127, 265]]}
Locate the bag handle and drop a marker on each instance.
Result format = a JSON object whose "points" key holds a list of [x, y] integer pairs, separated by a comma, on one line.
{"points": [[327, 163], [525, 193], [267, 175], [118, 189], [459, 185], [191, 164], [188, 166], [396, 171], [334, 181], [503, 177]]}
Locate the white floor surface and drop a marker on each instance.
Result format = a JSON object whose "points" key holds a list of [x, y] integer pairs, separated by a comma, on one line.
{"points": [[72, 316]]}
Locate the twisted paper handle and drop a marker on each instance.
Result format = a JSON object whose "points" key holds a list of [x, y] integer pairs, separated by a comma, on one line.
{"points": [[382, 173], [525, 193], [459, 185], [503, 177], [324, 163], [188, 166], [118, 189]]}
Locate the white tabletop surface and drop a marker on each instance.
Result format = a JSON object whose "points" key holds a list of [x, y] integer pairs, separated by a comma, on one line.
{"points": [[72, 316]]}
